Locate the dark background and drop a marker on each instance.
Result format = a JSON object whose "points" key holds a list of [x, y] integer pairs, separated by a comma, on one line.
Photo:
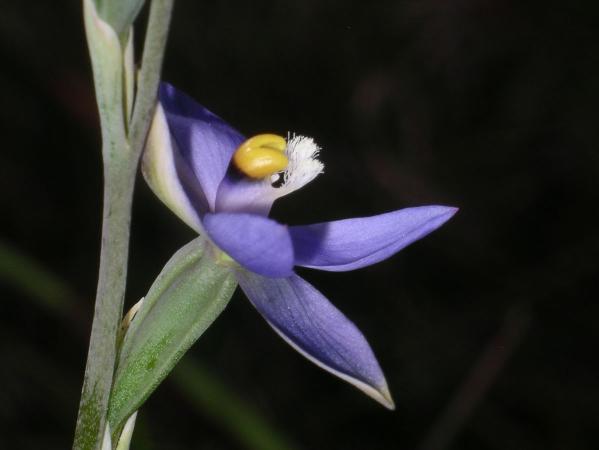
{"points": [[486, 330]]}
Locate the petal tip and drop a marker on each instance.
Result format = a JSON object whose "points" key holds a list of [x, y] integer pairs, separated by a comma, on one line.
{"points": [[452, 210], [446, 210], [386, 400], [381, 394], [444, 213]]}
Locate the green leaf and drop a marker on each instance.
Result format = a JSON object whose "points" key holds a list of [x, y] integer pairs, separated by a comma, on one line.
{"points": [[188, 295]]}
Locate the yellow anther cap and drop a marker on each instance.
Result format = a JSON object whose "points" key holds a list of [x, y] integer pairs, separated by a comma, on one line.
{"points": [[261, 156]]}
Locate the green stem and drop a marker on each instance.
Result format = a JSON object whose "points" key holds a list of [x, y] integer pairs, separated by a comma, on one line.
{"points": [[99, 370], [121, 157], [149, 77]]}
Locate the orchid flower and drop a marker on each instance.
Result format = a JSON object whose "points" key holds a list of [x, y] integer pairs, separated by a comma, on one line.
{"points": [[223, 186]]}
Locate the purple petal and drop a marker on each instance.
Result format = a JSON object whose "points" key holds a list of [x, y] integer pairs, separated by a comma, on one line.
{"points": [[241, 194], [205, 141], [169, 176], [353, 243], [256, 242], [319, 331]]}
